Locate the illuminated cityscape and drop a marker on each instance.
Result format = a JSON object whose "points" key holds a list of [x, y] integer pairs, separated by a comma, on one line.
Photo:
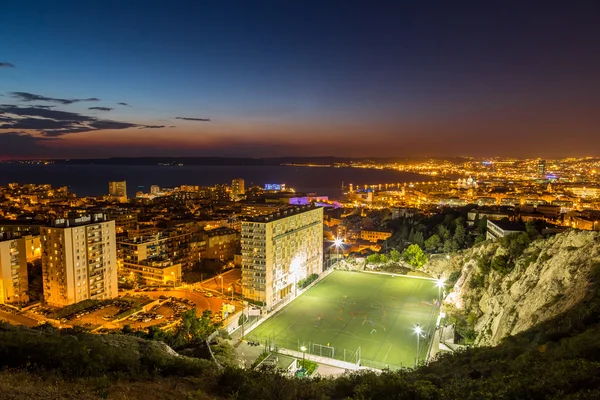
{"points": [[299, 200]]}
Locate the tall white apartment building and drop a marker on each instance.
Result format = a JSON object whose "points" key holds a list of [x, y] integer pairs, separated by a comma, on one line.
{"points": [[79, 260], [279, 250], [13, 271]]}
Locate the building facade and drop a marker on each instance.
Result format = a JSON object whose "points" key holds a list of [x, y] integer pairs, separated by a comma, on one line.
{"points": [[278, 251], [13, 271], [79, 260], [238, 189], [374, 236], [117, 191], [154, 272]]}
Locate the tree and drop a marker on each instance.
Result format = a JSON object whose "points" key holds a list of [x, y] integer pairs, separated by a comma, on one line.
{"points": [[373, 259], [450, 246], [418, 239], [459, 234], [414, 256], [443, 232], [433, 243], [192, 329], [383, 258], [395, 255]]}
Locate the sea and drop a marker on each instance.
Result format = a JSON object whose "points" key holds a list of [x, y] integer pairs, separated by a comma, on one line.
{"points": [[92, 180]]}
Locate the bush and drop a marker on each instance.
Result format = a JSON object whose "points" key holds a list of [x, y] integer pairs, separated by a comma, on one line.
{"points": [[307, 281], [453, 278]]}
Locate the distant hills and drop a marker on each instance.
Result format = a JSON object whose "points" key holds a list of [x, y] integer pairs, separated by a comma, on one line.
{"points": [[230, 161]]}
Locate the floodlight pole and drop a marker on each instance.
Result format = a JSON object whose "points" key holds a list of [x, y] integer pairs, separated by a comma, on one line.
{"points": [[418, 332]]}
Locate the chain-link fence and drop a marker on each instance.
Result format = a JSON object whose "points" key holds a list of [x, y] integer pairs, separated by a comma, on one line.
{"points": [[317, 349]]}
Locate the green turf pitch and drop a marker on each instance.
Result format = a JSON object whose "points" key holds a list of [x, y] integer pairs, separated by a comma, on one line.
{"points": [[351, 309]]}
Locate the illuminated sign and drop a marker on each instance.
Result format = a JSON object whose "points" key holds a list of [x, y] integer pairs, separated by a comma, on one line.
{"points": [[275, 186]]}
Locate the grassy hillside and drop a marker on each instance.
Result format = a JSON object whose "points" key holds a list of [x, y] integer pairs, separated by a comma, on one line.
{"points": [[557, 360]]}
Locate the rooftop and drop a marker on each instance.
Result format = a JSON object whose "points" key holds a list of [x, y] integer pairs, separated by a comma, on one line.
{"points": [[287, 212]]}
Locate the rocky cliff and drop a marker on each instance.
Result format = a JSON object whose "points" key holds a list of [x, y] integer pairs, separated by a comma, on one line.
{"points": [[548, 276]]}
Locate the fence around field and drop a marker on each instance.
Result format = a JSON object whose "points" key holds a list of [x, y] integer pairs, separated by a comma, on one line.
{"points": [[343, 358], [314, 349]]}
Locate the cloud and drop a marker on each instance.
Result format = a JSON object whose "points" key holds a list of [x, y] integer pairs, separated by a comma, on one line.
{"points": [[152, 126], [24, 96], [47, 107], [54, 123], [124, 104], [194, 119], [100, 108], [20, 144], [6, 65]]}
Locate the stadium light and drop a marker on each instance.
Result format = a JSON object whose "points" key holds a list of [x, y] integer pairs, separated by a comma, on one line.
{"points": [[418, 331], [440, 284], [338, 243]]}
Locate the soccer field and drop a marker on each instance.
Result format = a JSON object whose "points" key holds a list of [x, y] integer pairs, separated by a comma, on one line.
{"points": [[348, 310]]}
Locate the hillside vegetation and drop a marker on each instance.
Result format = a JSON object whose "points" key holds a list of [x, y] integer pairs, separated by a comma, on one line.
{"points": [[505, 287]]}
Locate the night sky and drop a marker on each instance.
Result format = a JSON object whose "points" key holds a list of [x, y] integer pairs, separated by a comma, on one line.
{"points": [[299, 78]]}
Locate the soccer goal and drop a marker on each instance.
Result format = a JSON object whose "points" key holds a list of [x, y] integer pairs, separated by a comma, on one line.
{"points": [[322, 350]]}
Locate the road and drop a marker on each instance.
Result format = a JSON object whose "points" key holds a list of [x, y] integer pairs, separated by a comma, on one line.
{"points": [[229, 278], [18, 319]]}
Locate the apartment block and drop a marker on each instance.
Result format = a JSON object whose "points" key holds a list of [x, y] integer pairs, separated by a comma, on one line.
{"points": [[279, 250], [79, 260], [13, 271]]}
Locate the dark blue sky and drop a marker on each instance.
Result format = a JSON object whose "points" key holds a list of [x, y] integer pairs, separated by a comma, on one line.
{"points": [[299, 78]]}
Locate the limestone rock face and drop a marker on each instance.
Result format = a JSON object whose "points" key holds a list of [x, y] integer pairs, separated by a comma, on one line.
{"points": [[549, 278]]}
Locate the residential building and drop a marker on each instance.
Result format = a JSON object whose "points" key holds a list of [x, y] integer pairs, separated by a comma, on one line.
{"points": [[221, 244], [79, 260], [500, 229], [279, 250], [374, 236], [150, 272], [13, 271], [117, 191], [169, 244], [237, 189], [256, 209]]}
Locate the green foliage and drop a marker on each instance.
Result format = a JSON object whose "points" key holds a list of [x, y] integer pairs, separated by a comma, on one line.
{"points": [[450, 246], [81, 354], [307, 281], [477, 281], [192, 330], [373, 259], [484, 265], [395, 255], [383, 258], [74, 308], [414, 256], [464, 323], [127, 313], [433, 243], [501, 264], [453, 278]]}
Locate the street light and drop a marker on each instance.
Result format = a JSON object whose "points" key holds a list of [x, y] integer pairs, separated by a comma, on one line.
{"points": [[221, 276], [418, 331], [303, 348], [229, 290]]}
